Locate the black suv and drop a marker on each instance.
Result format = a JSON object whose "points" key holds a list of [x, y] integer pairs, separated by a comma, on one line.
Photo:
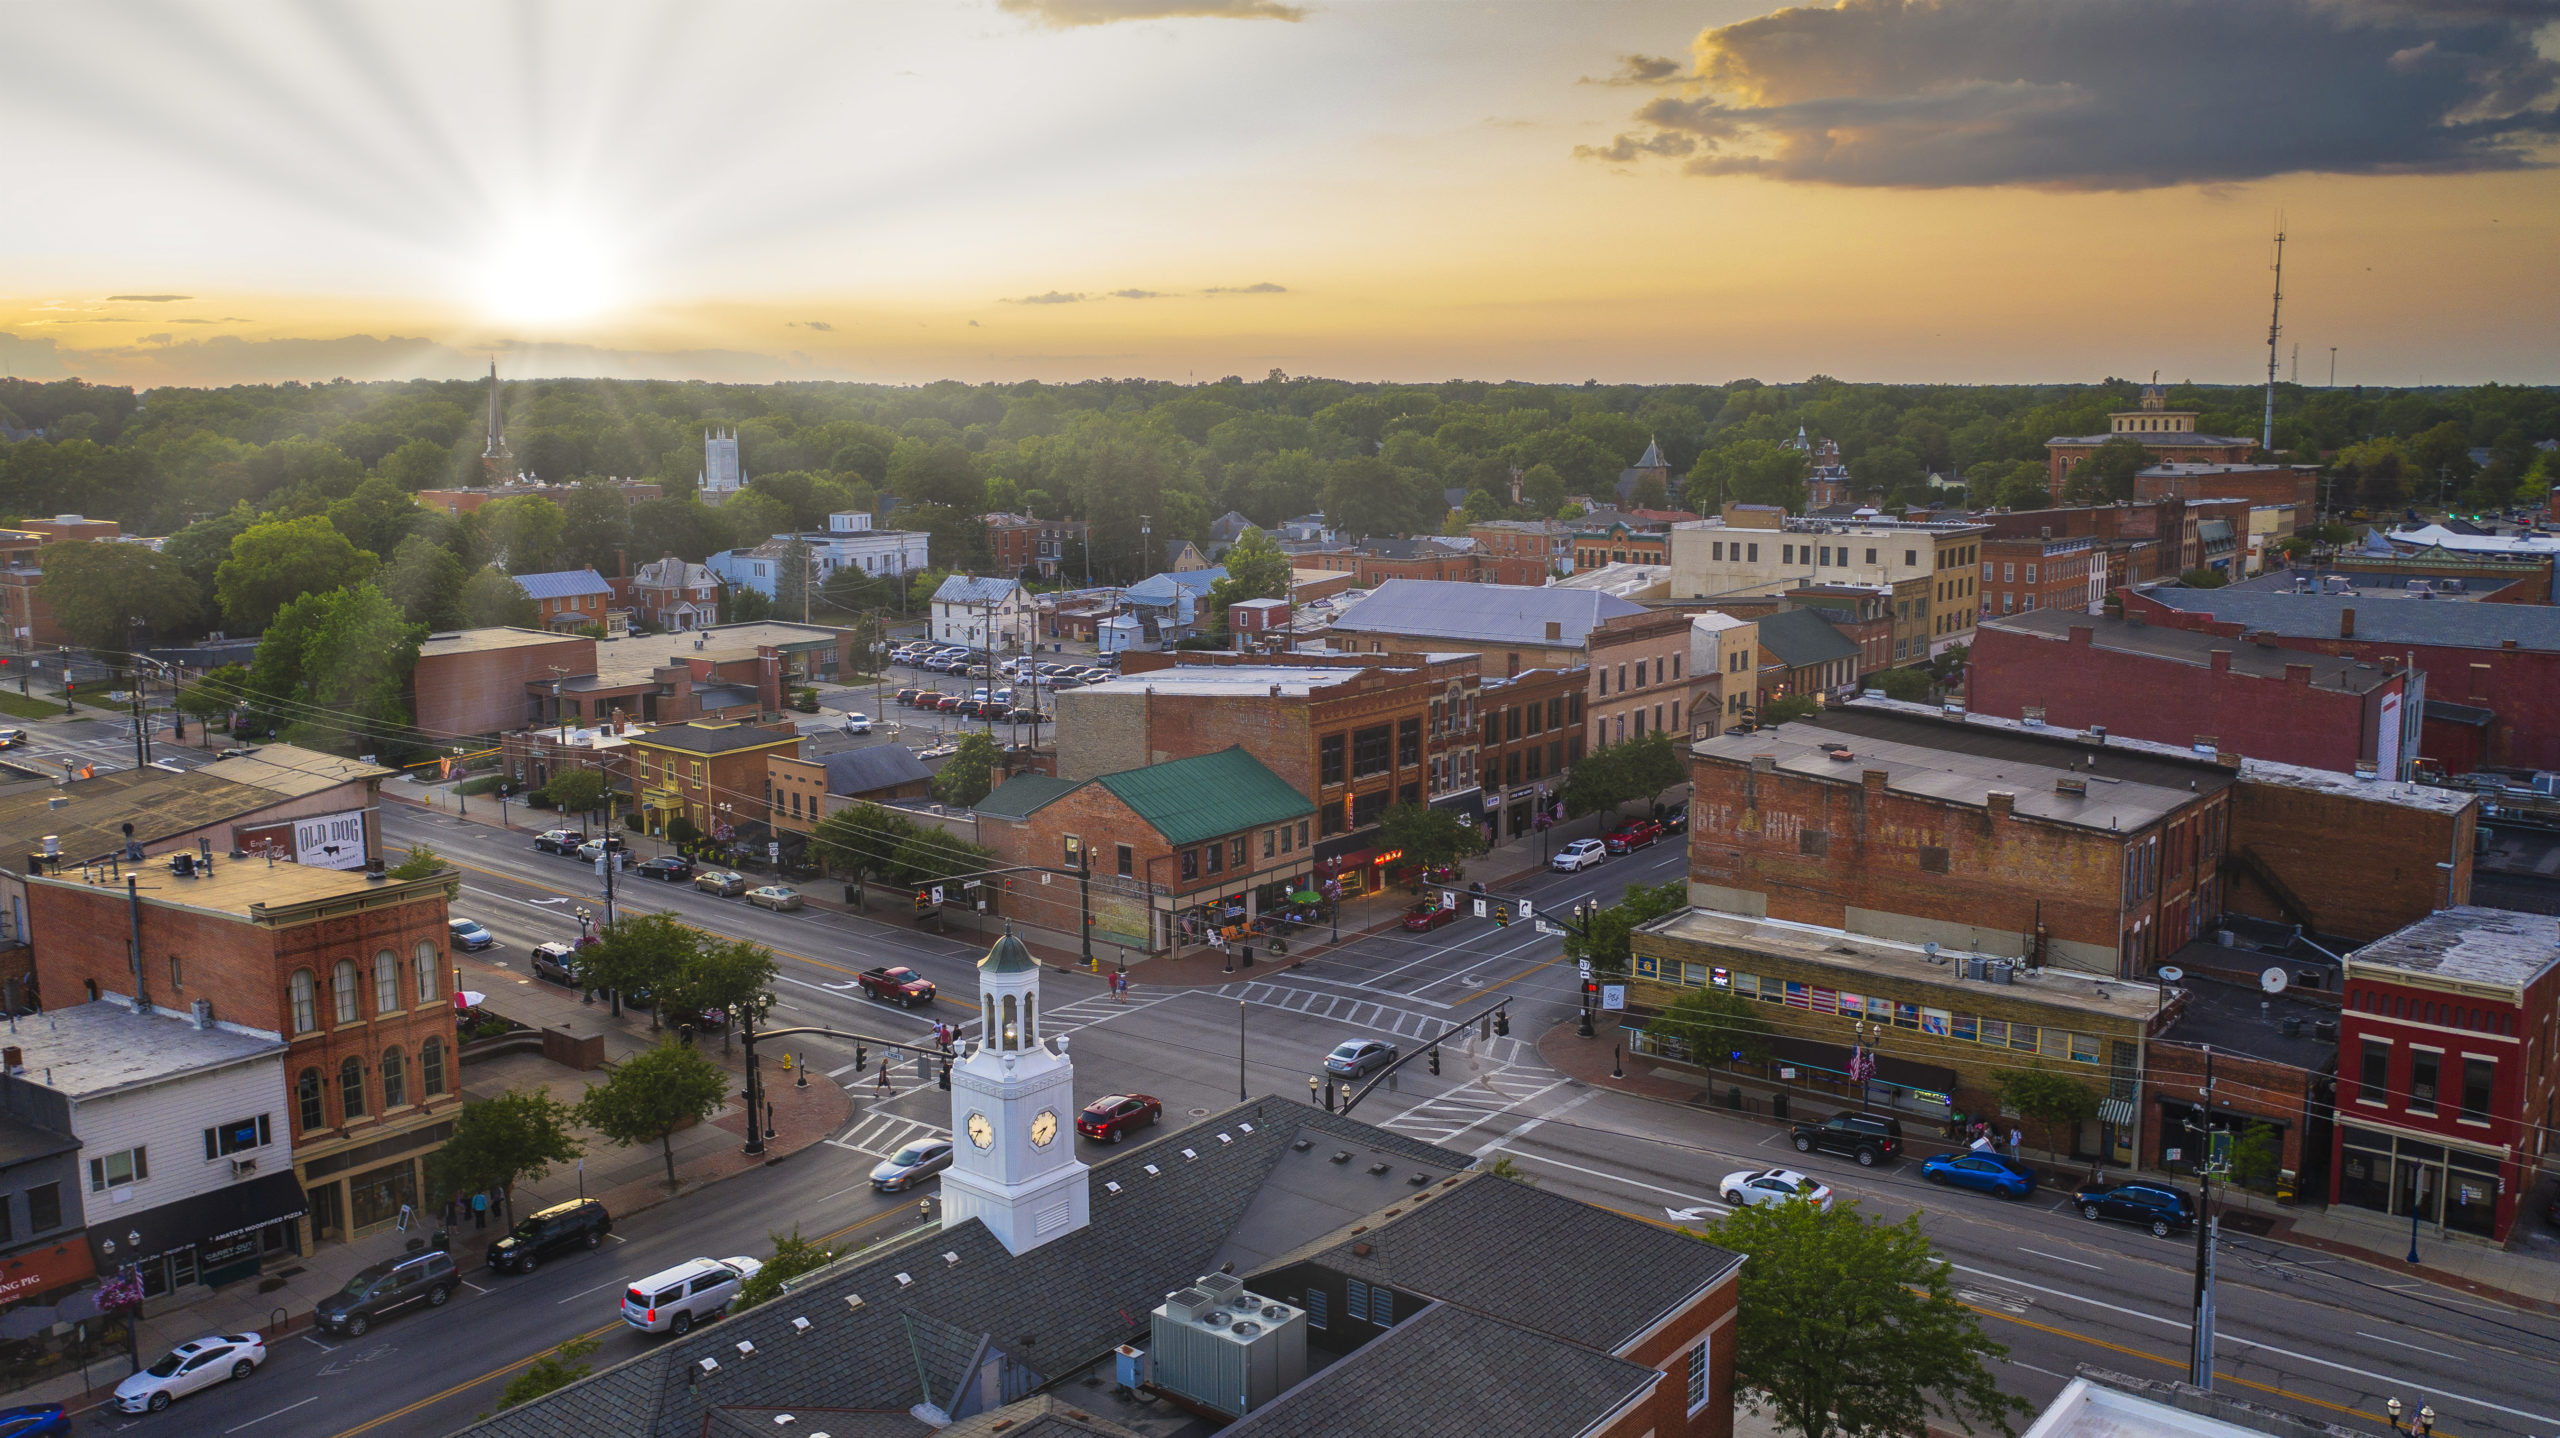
{"points": [[2155, 1206], [382, 1289], [1868, 1138], [563, 1226]]}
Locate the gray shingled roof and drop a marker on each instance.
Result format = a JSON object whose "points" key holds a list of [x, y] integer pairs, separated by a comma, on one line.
{"points": [[881, 766], [2379, 619], [1492, 613], [1800, 638], [1506, 1382], [961, 589]]}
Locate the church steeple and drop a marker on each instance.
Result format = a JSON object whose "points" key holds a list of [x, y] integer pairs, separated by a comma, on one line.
{"points": [[1013, 1162], [497, 464]]}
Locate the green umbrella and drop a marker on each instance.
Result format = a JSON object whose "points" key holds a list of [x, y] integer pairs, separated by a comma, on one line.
{"points": [[1305, 896]]}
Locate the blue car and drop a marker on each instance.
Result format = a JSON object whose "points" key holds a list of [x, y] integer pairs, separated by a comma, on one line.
{"points": [[1983, 1172], [41, 1420]]}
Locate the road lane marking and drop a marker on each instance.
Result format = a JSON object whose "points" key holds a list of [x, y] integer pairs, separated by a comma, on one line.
{"points": [[599, 1288], [2396, 1343], [279, 1413], [1691, 1199], [2058, 1258]]}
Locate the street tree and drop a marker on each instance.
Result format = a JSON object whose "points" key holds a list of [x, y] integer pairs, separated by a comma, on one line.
{"points": [[2057, 1101], [113, 596], [734, 977], [639, 952], [222, 692], [492, 599], [1908, 685], [1608, 934], [426, 580], [971, 771], [930, 856], [1653, 764], [1849, 1327], [500, 1142], [1257, 568], [1715, 1023], [861, 839], [1431, 838], [275, 563], [1597, 784], [575, 791], [334, 667], [652, 1094], [792, 1256]]}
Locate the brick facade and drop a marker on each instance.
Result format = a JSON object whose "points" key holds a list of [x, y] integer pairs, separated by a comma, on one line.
{"points": [[2268, 484], [2411, 854], [1533, 733], [475, 682], [713, 776], [1368, 571], [2021, 575], [1639, 679]]}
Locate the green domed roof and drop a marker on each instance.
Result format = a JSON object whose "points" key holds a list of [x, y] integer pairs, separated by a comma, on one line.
{"points": [[1009, 956]]}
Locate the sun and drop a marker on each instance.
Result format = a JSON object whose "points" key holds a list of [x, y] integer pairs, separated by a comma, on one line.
{"points": [[551, 273]]}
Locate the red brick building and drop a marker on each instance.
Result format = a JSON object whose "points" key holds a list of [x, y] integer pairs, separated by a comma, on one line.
{"points": [[1639, 676], [1383, 560], [2180, 687], [1547, 541], [478, 681], [2023, 575], [1017, 543], [2448, 1088], [2260, 484], [1862, 613], [1533, 730], [2170, 434], [712, 775], [350, 968], [1620, 543]]}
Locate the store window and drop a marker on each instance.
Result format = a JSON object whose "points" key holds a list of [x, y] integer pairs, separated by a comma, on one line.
{"points": [[378, 1197]]}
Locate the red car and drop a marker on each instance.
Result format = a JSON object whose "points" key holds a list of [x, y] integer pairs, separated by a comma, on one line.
{"points": [[1113, 1115], [944, 702], [901, 986], [1631, 837], [1426, 917]]}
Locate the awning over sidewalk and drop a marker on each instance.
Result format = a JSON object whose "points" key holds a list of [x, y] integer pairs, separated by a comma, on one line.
{"points": [[204, 1220]]}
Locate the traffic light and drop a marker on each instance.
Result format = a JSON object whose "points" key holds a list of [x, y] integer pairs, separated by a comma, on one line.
{"points": [[1484, 1028], [861, 1058], [1590, 991], [1435, 1058], [924, 903], [946, 1075], [1502, 1022], [1502, 916]]}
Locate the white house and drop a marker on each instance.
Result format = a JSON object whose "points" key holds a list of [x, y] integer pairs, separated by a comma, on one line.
{"points": [[984, 613], [186, 1140], [848, 542]]}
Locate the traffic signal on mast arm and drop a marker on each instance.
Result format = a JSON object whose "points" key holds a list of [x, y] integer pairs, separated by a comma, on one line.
{"points": [[1435, 1058]]}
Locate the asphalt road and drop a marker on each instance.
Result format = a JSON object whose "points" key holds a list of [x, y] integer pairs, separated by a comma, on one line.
{"points": [[2299, 1331]]}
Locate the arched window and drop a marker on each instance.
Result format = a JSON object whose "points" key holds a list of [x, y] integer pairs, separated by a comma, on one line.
{"points": [[342, 984], [986, 1018], [1012, 1034], [395, 1079], [386, 982], [1030, 1020], [351, 1086], [306, 1094], [428, 972], [431, 1068], [306, 1005]]}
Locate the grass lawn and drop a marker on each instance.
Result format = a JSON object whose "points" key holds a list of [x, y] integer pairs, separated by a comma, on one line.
{"points": [[18, 706]]}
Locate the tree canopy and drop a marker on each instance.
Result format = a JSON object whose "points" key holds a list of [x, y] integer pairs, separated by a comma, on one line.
{"points": [[1429, 837], [652, 1094], [500, 1142], [115, 597], [273, 564], [971, 771]]}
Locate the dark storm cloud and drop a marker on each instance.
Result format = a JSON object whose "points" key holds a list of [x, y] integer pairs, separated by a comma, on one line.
{"points": [[2110, 94]]}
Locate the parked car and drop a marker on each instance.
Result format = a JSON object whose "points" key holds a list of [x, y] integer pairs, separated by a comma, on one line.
{"points": [[674, 1299], [1579, 855], [856, 722], [200, 1363], [1353, 1058], [559, 841], [1063, 683], [902, 986], [1982, 1172], [554, 961], [35, 1420], [1426, 917], [379, 1290], [1869, 1138], [12, 738], [776, 897], [579, 1223], [669, 868], [1749, 1189], [1112, 1117], [2155, 1206], [928, 699], [595, 849], [468, 935], [1677, 821], [945, 702], [727, 883], [908, 696], [970, 708], [1627, 838], [911, 1165]]}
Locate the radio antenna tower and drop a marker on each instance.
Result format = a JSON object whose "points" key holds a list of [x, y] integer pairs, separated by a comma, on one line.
{"points": [[2275, 328]]}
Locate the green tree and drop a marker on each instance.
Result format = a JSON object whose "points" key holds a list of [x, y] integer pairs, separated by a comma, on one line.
{"points": [[1749, 471], [1715, 1024], [550, 1373], [493, 599], [1429, 837], [2107, 474], [2201, 578], [1542, 490], [1257, 568], [525, 533], [1908, 685], [2257, 1156], [425, 863], [792, 1256], [735, 978], [1608, 935], [861, 838], [2057, 1101], [937, 472], [1652, 763], [426, 581], [740, 604], [1793, 706], [376, 517], [652, 1094], [575, 791], [218, 695], [419, 464], [641, 952], [273, 564], [1849, 1327], [795, 579], [929, 856], [971, 771], [1597, 784], [335, 668], [595, 526], [112, 597], [500, 1142]]}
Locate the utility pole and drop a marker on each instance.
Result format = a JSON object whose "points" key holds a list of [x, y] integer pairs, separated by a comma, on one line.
{"points": [[2333, 366], [2275, 327], [2200, 1355]]}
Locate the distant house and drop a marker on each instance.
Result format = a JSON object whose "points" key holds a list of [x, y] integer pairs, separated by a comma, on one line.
{"points": [[675, 594], [1650, 465], [1225, 530], [1182, 554], [1169, 603], [569, 598], [983, 613]]}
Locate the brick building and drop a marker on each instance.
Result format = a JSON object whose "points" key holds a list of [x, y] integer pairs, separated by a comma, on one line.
{"points": [[1547, 541], [2498, 665], [2140, 542], [2170, 434], [2024, 575], [1180, 850], [2181, 687], [1749, 551], [2274, 1061], [349, 967], [2448, 1086], [1803, 655], [2520, 578], [1639, 676], [476, 681], [1621, 543], [28, 619], [712, 775], [1862, 613], [569, 598], [1373, 562], [1533, 733], [675, 595], [2271, 485], [1017, 543]]}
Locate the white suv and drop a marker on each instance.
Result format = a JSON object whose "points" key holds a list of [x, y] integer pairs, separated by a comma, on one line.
{"points": [[672, 1301], [1580, 854]]}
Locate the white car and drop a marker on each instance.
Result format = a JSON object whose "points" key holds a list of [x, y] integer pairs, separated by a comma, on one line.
{"points": [[1579, 855], [188, 1367], [1775, 1185], [857, 723], [673, 1301]]}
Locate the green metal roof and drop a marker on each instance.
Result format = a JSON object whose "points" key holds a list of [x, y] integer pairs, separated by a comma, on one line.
{"points": [[1009, 956], [1190, 800], [1018, 796]]}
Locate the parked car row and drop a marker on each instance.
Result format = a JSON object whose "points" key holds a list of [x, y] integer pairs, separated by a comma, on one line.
{"points": [[1636, 834]]}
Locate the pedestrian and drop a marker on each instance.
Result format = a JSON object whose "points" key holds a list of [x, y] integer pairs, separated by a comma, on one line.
{"points": [[885, 1060], [2014, 1138], [480, 1209]]}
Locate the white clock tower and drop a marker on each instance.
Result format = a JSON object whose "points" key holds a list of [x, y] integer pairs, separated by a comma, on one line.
{"points": [[1013, 1157]]}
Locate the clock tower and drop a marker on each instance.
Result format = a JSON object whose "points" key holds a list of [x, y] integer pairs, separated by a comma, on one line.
{"points": [[1013, 1134]]}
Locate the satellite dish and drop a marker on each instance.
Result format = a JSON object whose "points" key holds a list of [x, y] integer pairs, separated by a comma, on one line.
{"points": [[2273, 981], [2170, 973]]}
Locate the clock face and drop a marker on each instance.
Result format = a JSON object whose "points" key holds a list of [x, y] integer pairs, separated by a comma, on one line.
{"points": [[981, 1132], [1044, 1127]]}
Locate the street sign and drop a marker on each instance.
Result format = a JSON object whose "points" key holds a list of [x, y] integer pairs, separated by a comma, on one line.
{"points": [[1553, 931], [1479, 908], [937, 893], [1585, 966], [773, 850], [1448, 898], [1525, 910], [1613, 996]]}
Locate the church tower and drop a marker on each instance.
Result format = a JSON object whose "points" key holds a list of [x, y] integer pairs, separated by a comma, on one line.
{"points": [[1013, 1155], [721, 475], [497, 462]]}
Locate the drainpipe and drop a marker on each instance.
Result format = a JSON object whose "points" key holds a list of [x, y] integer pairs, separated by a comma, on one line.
{"points": [[133, 904]]}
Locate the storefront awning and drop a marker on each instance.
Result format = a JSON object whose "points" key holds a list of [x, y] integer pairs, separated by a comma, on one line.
{"points": [[207, 1218], [2116, 1111]]}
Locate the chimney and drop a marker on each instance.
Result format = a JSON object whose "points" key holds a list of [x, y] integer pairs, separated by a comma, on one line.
{"points": [[2297, 674], [2001, 802], [2222, 661], [2508, 644], [2346, 624]]}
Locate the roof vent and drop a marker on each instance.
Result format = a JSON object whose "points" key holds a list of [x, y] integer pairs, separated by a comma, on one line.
{"points": [[2071, 788], [1380, 1167], [799, 1325]]}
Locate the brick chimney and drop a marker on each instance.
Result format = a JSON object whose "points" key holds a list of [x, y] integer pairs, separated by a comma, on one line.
{"points": [[2297, 674], [2084, 634], [2346, 624], [2222, 661], [2001, 802]]}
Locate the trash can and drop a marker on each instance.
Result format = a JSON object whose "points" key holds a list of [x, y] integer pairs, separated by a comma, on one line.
{"points": [[1733, 1097], [1778, 1104]]}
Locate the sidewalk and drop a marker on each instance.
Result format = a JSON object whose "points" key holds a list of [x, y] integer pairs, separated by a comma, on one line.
{"points": [[2526, 1280]]}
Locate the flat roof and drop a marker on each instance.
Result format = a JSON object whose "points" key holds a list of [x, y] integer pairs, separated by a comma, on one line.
{"points": [[1861, 956], [2246, 1020], [1233, 680], [699, 737], [90, 822], [293, 771], [240, 888], [2380, 619], [2501, 948], [482, 641], [2117, 635], [97, 1048]]}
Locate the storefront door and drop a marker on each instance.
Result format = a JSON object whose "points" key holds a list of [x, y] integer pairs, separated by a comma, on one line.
{"points": [[2416, 1187]]}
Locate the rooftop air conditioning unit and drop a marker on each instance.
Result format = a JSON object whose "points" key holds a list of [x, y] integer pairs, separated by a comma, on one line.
{"points": [[1225, 1348]]}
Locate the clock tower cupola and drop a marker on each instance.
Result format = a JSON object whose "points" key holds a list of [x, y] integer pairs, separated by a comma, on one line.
{"points": [[1013, 1155]]}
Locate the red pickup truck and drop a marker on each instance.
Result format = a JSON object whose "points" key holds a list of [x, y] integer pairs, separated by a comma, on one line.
{"points": [[901, 986]]}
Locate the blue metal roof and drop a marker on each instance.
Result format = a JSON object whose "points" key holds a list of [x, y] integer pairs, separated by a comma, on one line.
{"points": [[564, 584]]}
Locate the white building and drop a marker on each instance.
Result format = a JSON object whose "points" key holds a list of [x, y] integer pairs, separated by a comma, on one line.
{"points": [[186, 1142], [848, 542], [721, 475], [1013, 1114], [984, 613], [1720, 558]]}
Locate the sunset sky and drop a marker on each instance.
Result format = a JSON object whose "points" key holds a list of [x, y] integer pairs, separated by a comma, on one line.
{"points": [[1967, 190]]}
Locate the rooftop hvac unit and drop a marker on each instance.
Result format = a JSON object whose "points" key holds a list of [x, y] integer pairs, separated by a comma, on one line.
{"points": [[2000, 971], [1228, 1349]]}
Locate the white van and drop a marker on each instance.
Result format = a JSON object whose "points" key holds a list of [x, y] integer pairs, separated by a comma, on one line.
{"points": [[672, 1301]]}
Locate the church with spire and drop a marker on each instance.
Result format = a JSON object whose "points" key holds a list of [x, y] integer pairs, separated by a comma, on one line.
{"points": [[497, 462]]}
